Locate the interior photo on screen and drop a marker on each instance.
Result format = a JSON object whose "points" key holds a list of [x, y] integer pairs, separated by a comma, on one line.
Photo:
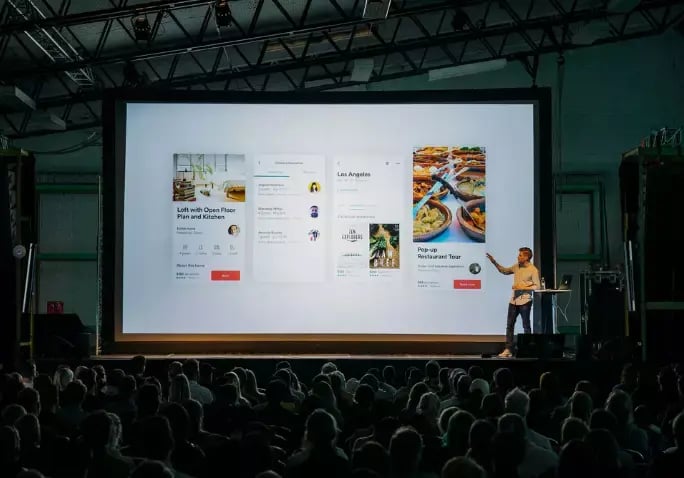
{"points": [[209, 177], [346, 218]]}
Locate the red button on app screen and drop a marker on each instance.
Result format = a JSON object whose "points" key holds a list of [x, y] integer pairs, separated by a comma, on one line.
{"points": [[225, 275], [467, 284]]}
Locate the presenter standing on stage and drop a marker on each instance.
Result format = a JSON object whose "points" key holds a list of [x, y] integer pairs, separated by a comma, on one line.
{"points": [[525, 280]]}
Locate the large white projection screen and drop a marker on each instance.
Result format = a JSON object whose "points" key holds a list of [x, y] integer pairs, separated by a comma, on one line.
{"points": [[254, 218]]}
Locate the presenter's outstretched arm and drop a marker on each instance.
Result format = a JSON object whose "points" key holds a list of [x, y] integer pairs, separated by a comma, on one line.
{"points": [[499, 267]]}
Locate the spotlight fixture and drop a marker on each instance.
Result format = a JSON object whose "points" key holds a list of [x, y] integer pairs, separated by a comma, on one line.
{"points": [[223, 14], [460, 20], [376, 9], [141, 27]]}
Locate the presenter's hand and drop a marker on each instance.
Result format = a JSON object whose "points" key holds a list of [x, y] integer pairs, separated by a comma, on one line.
{"points": [[491, 259]]}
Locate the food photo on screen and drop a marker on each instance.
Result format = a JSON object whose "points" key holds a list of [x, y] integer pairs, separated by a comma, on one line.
{"points": [[449, 194]]}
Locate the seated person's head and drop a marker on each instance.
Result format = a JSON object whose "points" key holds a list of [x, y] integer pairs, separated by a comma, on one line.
{"points": [[492, 406], [373, 456], [603, 419], [74, 394], [463, 386], [9, 446], [179, 421], [156, 438], [475, 371], [619, 404], [175, 368], [503, 380], [406, 450], [432, 370], [428, 406], [581, 405], [517, 402], [321, 430], [389, 374], [643, 417], [29, 398], [276, 392], [195, 415], [458, 430], [148, 400], [605, 452], [328, 367], [28, 427], [514, 424], [191, 369], [11, 413], [384, 429], [364, 396], [573, 429], [97, 429], [480, 437], [444, 417], [138, 364], [370, 380], [575, 460], [462, 467]]}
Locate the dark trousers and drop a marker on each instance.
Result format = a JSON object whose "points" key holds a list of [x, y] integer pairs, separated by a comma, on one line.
{"points": [[513, 311]]}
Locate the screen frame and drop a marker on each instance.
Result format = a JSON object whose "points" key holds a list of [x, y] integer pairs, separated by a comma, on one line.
{"points": [[113, 340]]}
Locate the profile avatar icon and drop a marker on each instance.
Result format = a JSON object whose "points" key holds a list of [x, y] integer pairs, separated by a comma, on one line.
{"points": [[313, 210], [313, 235], [233, 230], [314, 187], [474, 268]]}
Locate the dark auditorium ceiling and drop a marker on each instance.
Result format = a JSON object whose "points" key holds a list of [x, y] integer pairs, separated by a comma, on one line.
{"points": [[61, 54]]}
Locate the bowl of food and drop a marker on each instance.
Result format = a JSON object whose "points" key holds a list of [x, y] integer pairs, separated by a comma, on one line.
{"points": [[475, 224], [422, 185], [430, 153], [432, 220], [471, 188]]}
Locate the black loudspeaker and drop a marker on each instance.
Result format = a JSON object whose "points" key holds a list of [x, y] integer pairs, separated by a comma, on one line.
{"points": [[583, 348], [606, 311], [60, 336], [17, 227], [544, 346]]}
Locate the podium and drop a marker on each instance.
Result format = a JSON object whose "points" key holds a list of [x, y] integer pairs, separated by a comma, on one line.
{"points": [[549, 325]]}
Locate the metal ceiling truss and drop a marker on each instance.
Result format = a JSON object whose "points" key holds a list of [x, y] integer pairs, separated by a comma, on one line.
{"points": [[50, 40], [296, 50]]}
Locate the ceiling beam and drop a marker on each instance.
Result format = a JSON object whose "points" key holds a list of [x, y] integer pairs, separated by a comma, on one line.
{"points": [[421, 43], [99, 15], [188, 45]]}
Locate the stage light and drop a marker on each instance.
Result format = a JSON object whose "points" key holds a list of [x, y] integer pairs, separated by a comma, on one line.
{"points": [[223, 14], [460, 20], [141, 27], [376, 9], [467, 69]]}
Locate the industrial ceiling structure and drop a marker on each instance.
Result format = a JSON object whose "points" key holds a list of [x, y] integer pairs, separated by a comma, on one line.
{"points": [[58, 56]]}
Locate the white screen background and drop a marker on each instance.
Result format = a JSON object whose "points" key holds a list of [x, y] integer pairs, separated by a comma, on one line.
{"points": [[152, 303]]}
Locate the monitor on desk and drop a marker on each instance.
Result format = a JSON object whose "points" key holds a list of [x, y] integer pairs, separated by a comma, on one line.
{"points": [[565, 282]]}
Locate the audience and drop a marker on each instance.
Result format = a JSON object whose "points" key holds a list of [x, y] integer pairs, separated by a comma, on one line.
{"points": [[389, 423]]}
